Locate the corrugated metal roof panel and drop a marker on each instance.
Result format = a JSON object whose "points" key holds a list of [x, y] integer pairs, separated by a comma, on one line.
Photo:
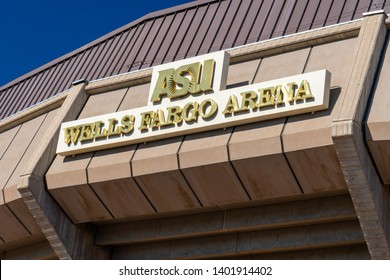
{"points": [[300, 7], [272, 20], [361, 8], [172, 34], [377, 5], [189, 34], [335, 12], [203, 26], [248, 22], [348, 10], [322, 14], [169, 38], [236, 25]]}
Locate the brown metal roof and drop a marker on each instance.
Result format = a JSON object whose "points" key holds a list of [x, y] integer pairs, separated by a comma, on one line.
{"points": [[187, 30]]}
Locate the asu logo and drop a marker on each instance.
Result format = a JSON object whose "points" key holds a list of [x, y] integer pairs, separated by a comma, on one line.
{"points": [[192, 78]]}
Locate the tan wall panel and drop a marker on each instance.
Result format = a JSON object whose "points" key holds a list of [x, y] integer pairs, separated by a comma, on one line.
{"points": [[123, 198], [38, 251], [317, 170], [21, 212], [256, 139], [379, 111], [16, 150], [156, 156], [267, 177], [378, 122], [204, 161], [168, 191], [205, 148], [68, 171], [337, 57], [10, 191], [102, 103], [380, 151], [11, 229], [136, 96], [80, 203], [282, 65], [6, 138], [242, 73], [111, 164], [216, 184]]}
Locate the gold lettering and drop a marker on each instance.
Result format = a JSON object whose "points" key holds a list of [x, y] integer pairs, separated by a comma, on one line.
{"points": [[267, 97], [184, 80], [158, 119], [291, 91], [187, 85], [304, 91], [174, 115], [72, 134], [146, 118], [231, 105], [248, 101], [98, 131], [190, 112], [127, 123], [112, 130], [279, 94], [207, 75], [86, 132], [161, 88], [204, 106]]}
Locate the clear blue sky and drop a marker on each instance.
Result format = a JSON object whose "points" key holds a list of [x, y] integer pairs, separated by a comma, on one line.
{"points": [[34, 32]]}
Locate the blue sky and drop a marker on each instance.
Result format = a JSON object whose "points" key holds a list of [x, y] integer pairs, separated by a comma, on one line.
{"points": [[36, 32]]}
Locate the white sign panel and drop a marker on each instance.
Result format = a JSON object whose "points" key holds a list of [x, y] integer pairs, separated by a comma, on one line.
{"points": [[189, 96]]}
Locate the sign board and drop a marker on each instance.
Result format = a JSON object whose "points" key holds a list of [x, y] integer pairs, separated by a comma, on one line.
{"points": [[190, 96]]}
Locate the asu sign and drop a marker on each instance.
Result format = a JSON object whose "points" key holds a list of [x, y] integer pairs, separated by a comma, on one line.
{"points": [[190, 96]]}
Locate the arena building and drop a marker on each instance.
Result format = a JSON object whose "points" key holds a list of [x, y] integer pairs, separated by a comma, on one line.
{"points": [[230, 129]]}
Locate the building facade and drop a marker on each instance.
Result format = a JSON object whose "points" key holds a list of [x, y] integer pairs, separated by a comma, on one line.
{"points": [[264, 174]]}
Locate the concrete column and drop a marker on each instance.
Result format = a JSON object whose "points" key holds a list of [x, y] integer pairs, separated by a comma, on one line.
{"points": [[69, 241], [369, 196]]}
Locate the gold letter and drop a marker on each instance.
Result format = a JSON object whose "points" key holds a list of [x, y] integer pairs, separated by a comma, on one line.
{"points": [[99, 133], [267, 97], [174, 115], [248, 100], [203, 107], [207, 75], [231, 105], [86, 132], [111, 127], [279, 94], [127, 124], [146, 119], [291, 91], [161, 88], [72, 134], [191, 108], [304, 91]]}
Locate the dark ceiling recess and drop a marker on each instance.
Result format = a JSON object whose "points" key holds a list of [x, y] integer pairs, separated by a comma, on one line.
{"points": [[179, 32]]}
